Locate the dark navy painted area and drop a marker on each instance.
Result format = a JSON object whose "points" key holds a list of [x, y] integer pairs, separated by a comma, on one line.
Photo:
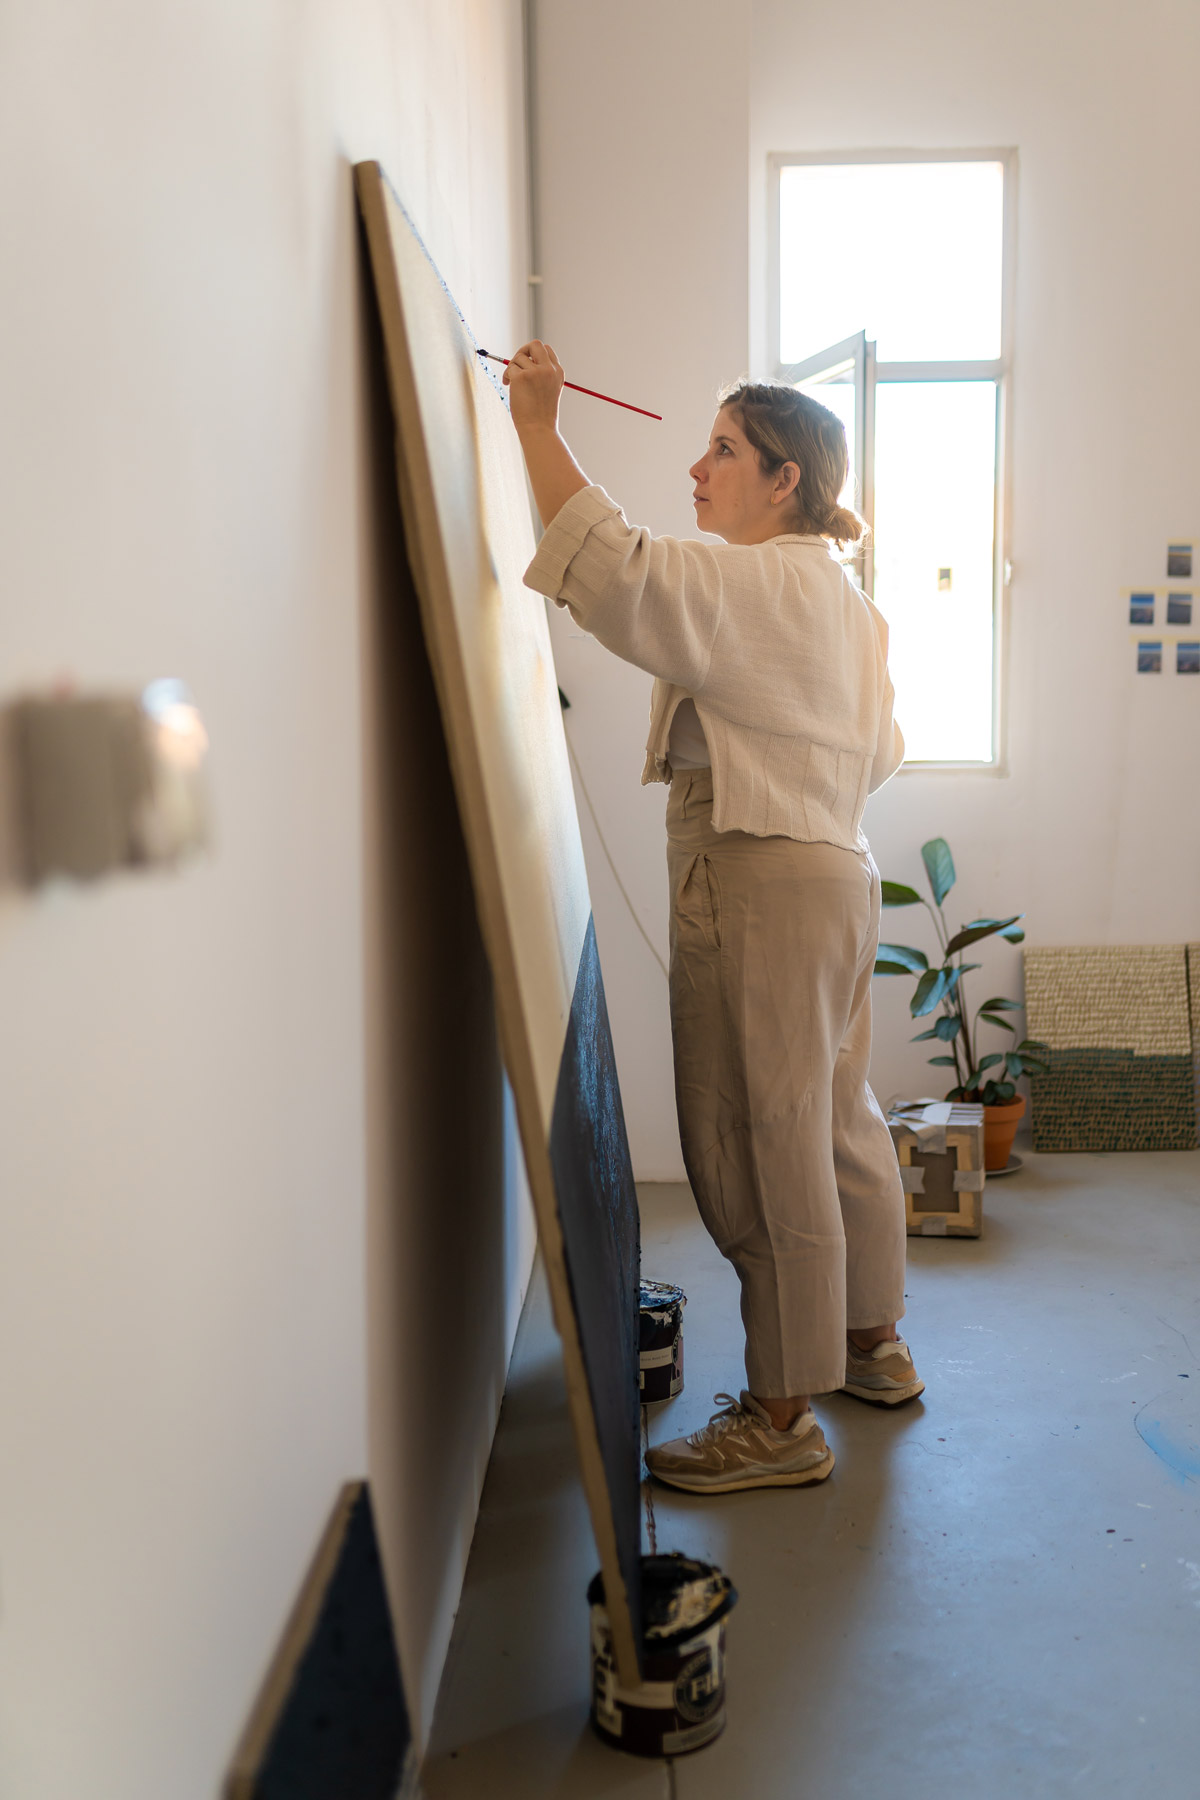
{"points": [[597, 1203], [344, 1727]]}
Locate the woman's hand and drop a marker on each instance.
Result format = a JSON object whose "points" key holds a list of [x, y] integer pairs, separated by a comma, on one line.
{"points": [[534, 380]]}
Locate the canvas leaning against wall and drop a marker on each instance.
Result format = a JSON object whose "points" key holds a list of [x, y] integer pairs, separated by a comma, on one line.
{"points": [[469, 537]]}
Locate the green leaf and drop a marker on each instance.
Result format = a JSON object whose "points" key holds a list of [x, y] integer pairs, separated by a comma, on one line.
{"points": [[891, 968], [978, 928], [948, 1028], [992, 1020], [1031, 1044], [939, 866], [1016, 935], [946, 1061], [957, 1093], [997, 1093], [957, 974], [896, 894], [930, 991], [1014, 1064], [987, 1062], [923, 1036], [1000, 1004], [912, 960]]}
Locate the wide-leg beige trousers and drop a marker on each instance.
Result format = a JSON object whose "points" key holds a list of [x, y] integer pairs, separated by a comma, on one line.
{"points": [[789, 1156]]}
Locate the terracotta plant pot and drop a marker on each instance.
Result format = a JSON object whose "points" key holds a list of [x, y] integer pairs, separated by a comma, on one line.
{"points": [[999, 1129]]}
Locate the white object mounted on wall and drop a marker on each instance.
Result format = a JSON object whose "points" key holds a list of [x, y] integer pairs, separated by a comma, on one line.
{"points": [[91, 783]]}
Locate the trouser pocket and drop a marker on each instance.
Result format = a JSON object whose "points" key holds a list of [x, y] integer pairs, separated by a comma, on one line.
{"points": [[698, 900]]}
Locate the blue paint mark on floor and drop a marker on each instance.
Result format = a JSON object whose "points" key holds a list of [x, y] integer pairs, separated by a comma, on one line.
{"points": [[1182, 1458]]}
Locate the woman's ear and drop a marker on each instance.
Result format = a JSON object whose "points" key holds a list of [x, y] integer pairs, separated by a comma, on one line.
{"points": [[786, 483]]}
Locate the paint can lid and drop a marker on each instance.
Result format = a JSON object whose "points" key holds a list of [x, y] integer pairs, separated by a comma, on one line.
{"points": [[656, 1296], [680, 1597]]}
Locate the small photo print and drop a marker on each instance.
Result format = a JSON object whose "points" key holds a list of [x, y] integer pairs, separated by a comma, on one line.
{"points": [[1149, 659], [1141, 609], [1179, 562], [1179, 609], [1187, 659]]}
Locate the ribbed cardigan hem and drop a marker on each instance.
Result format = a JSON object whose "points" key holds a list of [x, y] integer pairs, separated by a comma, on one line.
{"points": [[769, 785]]}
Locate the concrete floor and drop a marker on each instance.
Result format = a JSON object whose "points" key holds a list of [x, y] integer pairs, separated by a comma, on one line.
{"points": [[995, 1596]]}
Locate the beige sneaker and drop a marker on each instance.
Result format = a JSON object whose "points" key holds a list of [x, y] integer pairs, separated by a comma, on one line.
{"points": [[885, 1375], [740, 1448]]}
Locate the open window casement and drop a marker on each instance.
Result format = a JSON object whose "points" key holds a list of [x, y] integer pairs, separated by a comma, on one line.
{"points": [[843, 379], [917, 246]]}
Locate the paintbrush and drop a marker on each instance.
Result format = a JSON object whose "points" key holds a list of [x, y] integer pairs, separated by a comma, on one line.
{"points": [[492, 357]]}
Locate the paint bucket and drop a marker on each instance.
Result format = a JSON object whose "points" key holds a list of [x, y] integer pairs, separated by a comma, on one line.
{"points": [[680, 1704], [660, 1341]]}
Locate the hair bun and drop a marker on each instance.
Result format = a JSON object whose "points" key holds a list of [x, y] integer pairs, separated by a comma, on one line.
{"points": [[844, 527]]}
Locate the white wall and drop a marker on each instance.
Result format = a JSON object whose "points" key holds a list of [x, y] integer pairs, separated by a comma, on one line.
{"points": [[213, 1086], [1092, 830]]}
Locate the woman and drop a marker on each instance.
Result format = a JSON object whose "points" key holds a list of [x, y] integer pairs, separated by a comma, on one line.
{"points": [[772, 721]]}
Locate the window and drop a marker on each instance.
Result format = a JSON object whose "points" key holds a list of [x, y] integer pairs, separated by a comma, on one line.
{"points": [[889, 297]]}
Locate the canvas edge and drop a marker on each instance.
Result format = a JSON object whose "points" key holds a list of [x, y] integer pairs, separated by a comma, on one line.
{"points": [[431, 580]]}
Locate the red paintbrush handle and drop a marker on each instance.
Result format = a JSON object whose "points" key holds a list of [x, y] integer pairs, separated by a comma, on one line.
{"points": [[592, 392]]}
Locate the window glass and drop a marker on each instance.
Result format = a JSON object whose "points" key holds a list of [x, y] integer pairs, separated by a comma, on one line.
{"points": [[838, 396], [935, 486], [910, 251]]}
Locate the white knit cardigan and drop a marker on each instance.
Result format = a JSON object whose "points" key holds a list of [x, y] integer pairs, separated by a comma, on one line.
{"points": [[785, 658]]}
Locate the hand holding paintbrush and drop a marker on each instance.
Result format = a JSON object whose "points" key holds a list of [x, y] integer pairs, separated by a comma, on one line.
{"points": [[534, 379], [573, 385]]}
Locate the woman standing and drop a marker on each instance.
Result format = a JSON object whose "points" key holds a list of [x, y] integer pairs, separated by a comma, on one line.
{"points": [[771, 720]]}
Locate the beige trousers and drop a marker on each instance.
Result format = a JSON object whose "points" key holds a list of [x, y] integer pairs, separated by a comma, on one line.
{"points": [[790, 1159]]}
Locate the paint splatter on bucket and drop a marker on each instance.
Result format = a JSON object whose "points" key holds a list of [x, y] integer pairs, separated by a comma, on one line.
{"points": [[660, 1341], [680, 1703]]}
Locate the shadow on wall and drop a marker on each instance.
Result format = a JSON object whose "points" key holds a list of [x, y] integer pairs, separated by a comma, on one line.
{"points": [[437, 1227]]}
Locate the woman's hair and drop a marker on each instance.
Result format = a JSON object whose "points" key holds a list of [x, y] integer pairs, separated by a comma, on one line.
{"points": [[785, 426]]}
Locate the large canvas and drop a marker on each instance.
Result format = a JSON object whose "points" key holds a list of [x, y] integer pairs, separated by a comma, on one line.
{"points": [[1121, 1072], [469, 536]]}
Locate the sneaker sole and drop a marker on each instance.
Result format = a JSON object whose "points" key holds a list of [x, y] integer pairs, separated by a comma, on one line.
{"points": [[886, 1396], [800, 1478]]}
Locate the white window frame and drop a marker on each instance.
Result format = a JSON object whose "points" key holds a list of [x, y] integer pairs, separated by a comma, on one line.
{"points": [[998, 370]]}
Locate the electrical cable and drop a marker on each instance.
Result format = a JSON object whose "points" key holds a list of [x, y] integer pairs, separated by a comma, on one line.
{"points": [[609, 857]]}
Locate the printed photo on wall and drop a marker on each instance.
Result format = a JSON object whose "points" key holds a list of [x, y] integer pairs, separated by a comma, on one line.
{"points": [[1187, 659], [1141, 609], [1179, 609], [1149, 659], [1179, 562]]}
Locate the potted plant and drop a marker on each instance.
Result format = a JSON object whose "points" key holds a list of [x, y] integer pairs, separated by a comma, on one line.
{"points": [[941, 989]]}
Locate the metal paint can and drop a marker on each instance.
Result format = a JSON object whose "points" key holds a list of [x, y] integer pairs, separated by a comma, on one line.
{"points": [[680, 1703], [660, 1341]]}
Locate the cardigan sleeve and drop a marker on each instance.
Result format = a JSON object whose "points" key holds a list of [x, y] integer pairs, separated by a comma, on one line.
{"points": [[889, 746], [889, 739], [656, 602]]}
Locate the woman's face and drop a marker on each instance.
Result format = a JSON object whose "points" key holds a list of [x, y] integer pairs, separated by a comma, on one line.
{"points": [[734, 497]]}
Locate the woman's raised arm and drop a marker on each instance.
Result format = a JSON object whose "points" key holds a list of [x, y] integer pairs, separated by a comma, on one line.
{"points": [[534, 379]]}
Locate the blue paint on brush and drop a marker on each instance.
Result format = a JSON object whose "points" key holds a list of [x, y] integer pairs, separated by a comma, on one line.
{"points": [[1183, 1459]]}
